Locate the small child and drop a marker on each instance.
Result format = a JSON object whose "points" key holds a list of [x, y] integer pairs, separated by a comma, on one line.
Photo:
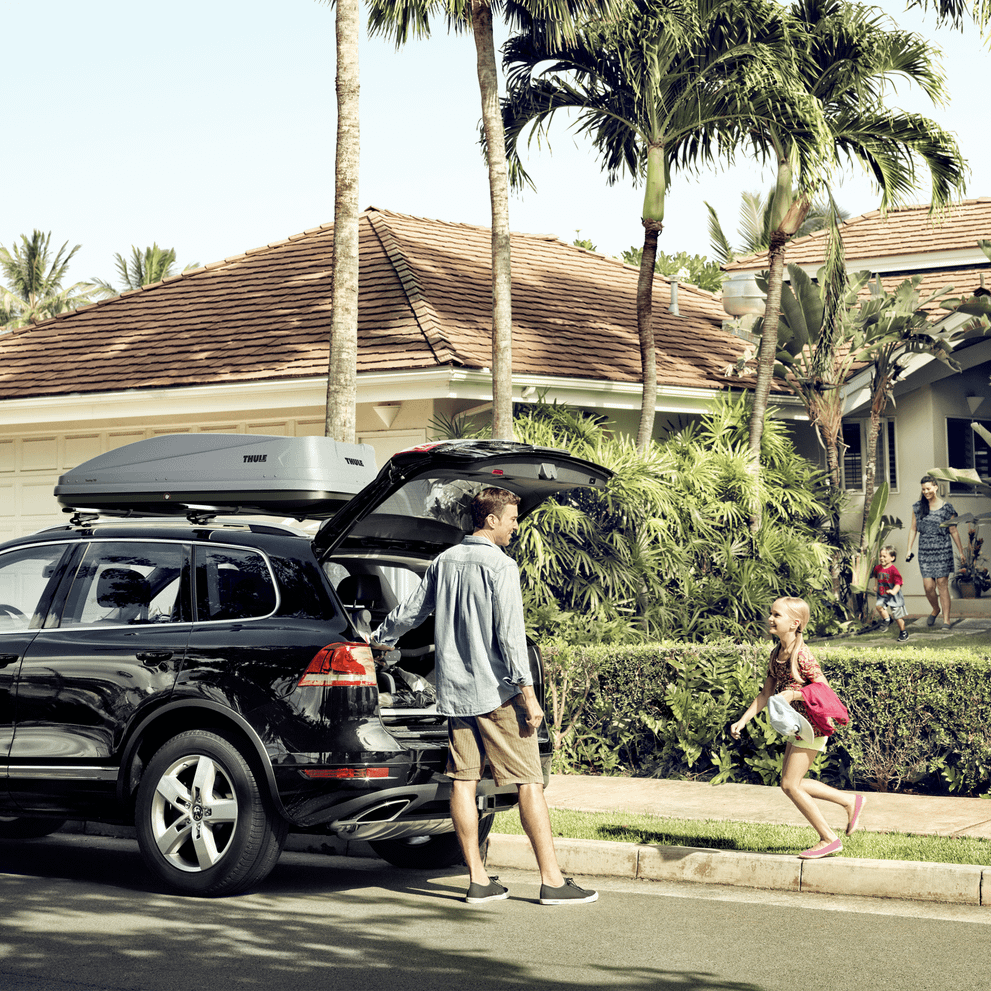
{"points": [[890, 601]]}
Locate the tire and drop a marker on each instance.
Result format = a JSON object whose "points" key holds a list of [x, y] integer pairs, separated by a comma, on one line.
{"points": [[28, 829], [204, 825], [430, 851]]}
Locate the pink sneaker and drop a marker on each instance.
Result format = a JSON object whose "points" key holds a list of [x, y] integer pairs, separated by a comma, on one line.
{"points": [[823, 851]]}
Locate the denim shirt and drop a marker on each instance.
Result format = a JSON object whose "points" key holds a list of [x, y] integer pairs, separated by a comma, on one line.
{"points": [[474, 591]]}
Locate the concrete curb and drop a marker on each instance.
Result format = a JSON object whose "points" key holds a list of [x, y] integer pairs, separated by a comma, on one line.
{"points": [[958, 884]]}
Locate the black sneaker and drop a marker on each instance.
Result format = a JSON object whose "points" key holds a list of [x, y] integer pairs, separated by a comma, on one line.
{"points": [[903, 636], [568, 894], [491, 892]]}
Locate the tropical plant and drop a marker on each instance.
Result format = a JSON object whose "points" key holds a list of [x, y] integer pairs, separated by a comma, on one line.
{"points": [[973, 568], [34, 277], [876, 531], [667, 85], [342, 368], [553, 19], [144, 268], [701, 272], [755, 225], [667, 546], [815, 359], [814, 355], [848, 56]]}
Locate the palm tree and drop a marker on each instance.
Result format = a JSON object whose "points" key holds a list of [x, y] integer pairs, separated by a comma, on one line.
{"points": [[400, 19], [34, 278], [144, 268], [954, 11], [671, 84], [755, 218], [847, 58], [342, 370]]}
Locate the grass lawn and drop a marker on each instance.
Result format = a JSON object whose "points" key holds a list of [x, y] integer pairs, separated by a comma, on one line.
{"points": [[752, 837]]}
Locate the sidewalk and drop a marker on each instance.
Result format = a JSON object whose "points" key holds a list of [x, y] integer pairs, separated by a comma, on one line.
{"points": [[960, 884]]}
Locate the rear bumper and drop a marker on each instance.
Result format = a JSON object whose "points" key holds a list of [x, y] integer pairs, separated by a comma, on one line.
{"points": [[363, 808]]}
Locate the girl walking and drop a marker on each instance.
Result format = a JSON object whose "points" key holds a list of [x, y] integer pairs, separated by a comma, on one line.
{"points": [[791, 667]]}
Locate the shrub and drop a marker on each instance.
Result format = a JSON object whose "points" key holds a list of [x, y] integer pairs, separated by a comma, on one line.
{"points": [[667, 547], [664, 709]]}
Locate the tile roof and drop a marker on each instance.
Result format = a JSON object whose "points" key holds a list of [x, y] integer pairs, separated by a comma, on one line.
{"points": [[906, 231], [424, 301]]}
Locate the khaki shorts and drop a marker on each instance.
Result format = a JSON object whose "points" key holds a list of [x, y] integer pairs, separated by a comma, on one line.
{"points": [[817, 743], [500, 739]]}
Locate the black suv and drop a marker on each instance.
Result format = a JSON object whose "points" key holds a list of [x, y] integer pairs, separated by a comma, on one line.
{"points": [[208, 679]]}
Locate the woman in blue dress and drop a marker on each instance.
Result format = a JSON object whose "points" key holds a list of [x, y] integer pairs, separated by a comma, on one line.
{"points": [[935, 548]]}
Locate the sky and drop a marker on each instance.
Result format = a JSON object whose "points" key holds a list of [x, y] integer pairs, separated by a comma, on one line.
{"points": [[209, 126]]}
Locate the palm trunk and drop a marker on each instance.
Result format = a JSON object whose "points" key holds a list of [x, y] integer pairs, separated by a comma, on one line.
{"points": [[645, 330], [652, 217], [768, 343], [878, 400], [495, 139], [342, 384]]}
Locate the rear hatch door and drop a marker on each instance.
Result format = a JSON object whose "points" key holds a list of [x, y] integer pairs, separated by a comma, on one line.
{"points": [[420, 498]]}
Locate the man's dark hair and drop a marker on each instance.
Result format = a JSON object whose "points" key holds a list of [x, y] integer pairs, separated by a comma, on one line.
{"points": [[491, 501]]}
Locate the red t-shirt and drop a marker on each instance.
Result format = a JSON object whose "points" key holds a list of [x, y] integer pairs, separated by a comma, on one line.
{"points": [[887, 579]]}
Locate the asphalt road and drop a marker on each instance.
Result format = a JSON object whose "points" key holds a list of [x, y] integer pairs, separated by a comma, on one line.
{"points": [[82, 913]]}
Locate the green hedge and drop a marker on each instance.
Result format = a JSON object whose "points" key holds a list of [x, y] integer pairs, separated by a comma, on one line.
{"points": [[917, 718]]}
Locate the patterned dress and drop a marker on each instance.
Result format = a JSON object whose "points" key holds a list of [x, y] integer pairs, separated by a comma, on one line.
{"points": [[935, 544], [781, 672]]}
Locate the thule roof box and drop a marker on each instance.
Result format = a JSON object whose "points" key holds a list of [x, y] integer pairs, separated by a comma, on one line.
{"points": [[220, 474]]}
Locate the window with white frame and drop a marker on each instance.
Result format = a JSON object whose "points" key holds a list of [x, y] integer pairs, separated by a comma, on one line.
{"points": [[853, 463], [966, 448]]}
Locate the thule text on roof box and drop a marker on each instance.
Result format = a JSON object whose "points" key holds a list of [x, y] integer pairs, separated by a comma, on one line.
{"points": [[180, 474]]}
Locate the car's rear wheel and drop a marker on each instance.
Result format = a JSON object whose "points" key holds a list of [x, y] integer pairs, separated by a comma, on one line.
{"points": [[429, 851], [204, 824], [27, 829]]}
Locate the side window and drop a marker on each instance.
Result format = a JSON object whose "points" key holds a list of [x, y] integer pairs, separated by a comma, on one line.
{"points": [[966, 448], [129, 583], [24, 576], [232, 583], [854, 460]]}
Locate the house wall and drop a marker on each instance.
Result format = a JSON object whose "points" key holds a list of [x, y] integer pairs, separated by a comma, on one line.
{"points": [[921, 444], [32, 457]]}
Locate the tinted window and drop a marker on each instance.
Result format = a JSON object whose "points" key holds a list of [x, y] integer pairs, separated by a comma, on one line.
{"points": [[127, 582], [24, 575], [232, 584]]}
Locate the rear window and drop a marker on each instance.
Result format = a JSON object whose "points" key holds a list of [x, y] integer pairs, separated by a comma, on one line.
{"points": [[435, 510]]}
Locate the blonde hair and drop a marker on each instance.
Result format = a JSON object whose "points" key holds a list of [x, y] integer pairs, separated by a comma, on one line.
{"points": [[797, 610], [889, 549]]}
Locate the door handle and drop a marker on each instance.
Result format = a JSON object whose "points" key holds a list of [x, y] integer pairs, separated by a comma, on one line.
{"points": [[153, 656], [6, 659]]}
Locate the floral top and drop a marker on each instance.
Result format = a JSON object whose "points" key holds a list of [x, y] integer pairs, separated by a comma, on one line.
{"points": [[781, 672]]}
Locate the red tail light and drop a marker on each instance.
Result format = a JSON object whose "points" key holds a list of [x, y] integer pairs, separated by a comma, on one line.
{"points": [[348, 665]]}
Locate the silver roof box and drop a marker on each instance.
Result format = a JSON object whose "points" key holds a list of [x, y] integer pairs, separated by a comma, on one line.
{"points": [[207, 474]]}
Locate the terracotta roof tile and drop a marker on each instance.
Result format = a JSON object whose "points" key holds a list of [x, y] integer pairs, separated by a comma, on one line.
{"points": [[425, 301], [908, 231]]}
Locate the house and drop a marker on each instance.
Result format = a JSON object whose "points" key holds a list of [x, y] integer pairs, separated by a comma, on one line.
{"points": [[928, 425], [242, 346]]}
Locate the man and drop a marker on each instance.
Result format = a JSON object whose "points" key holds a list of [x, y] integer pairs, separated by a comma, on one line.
{"points": [[485, 688]]}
